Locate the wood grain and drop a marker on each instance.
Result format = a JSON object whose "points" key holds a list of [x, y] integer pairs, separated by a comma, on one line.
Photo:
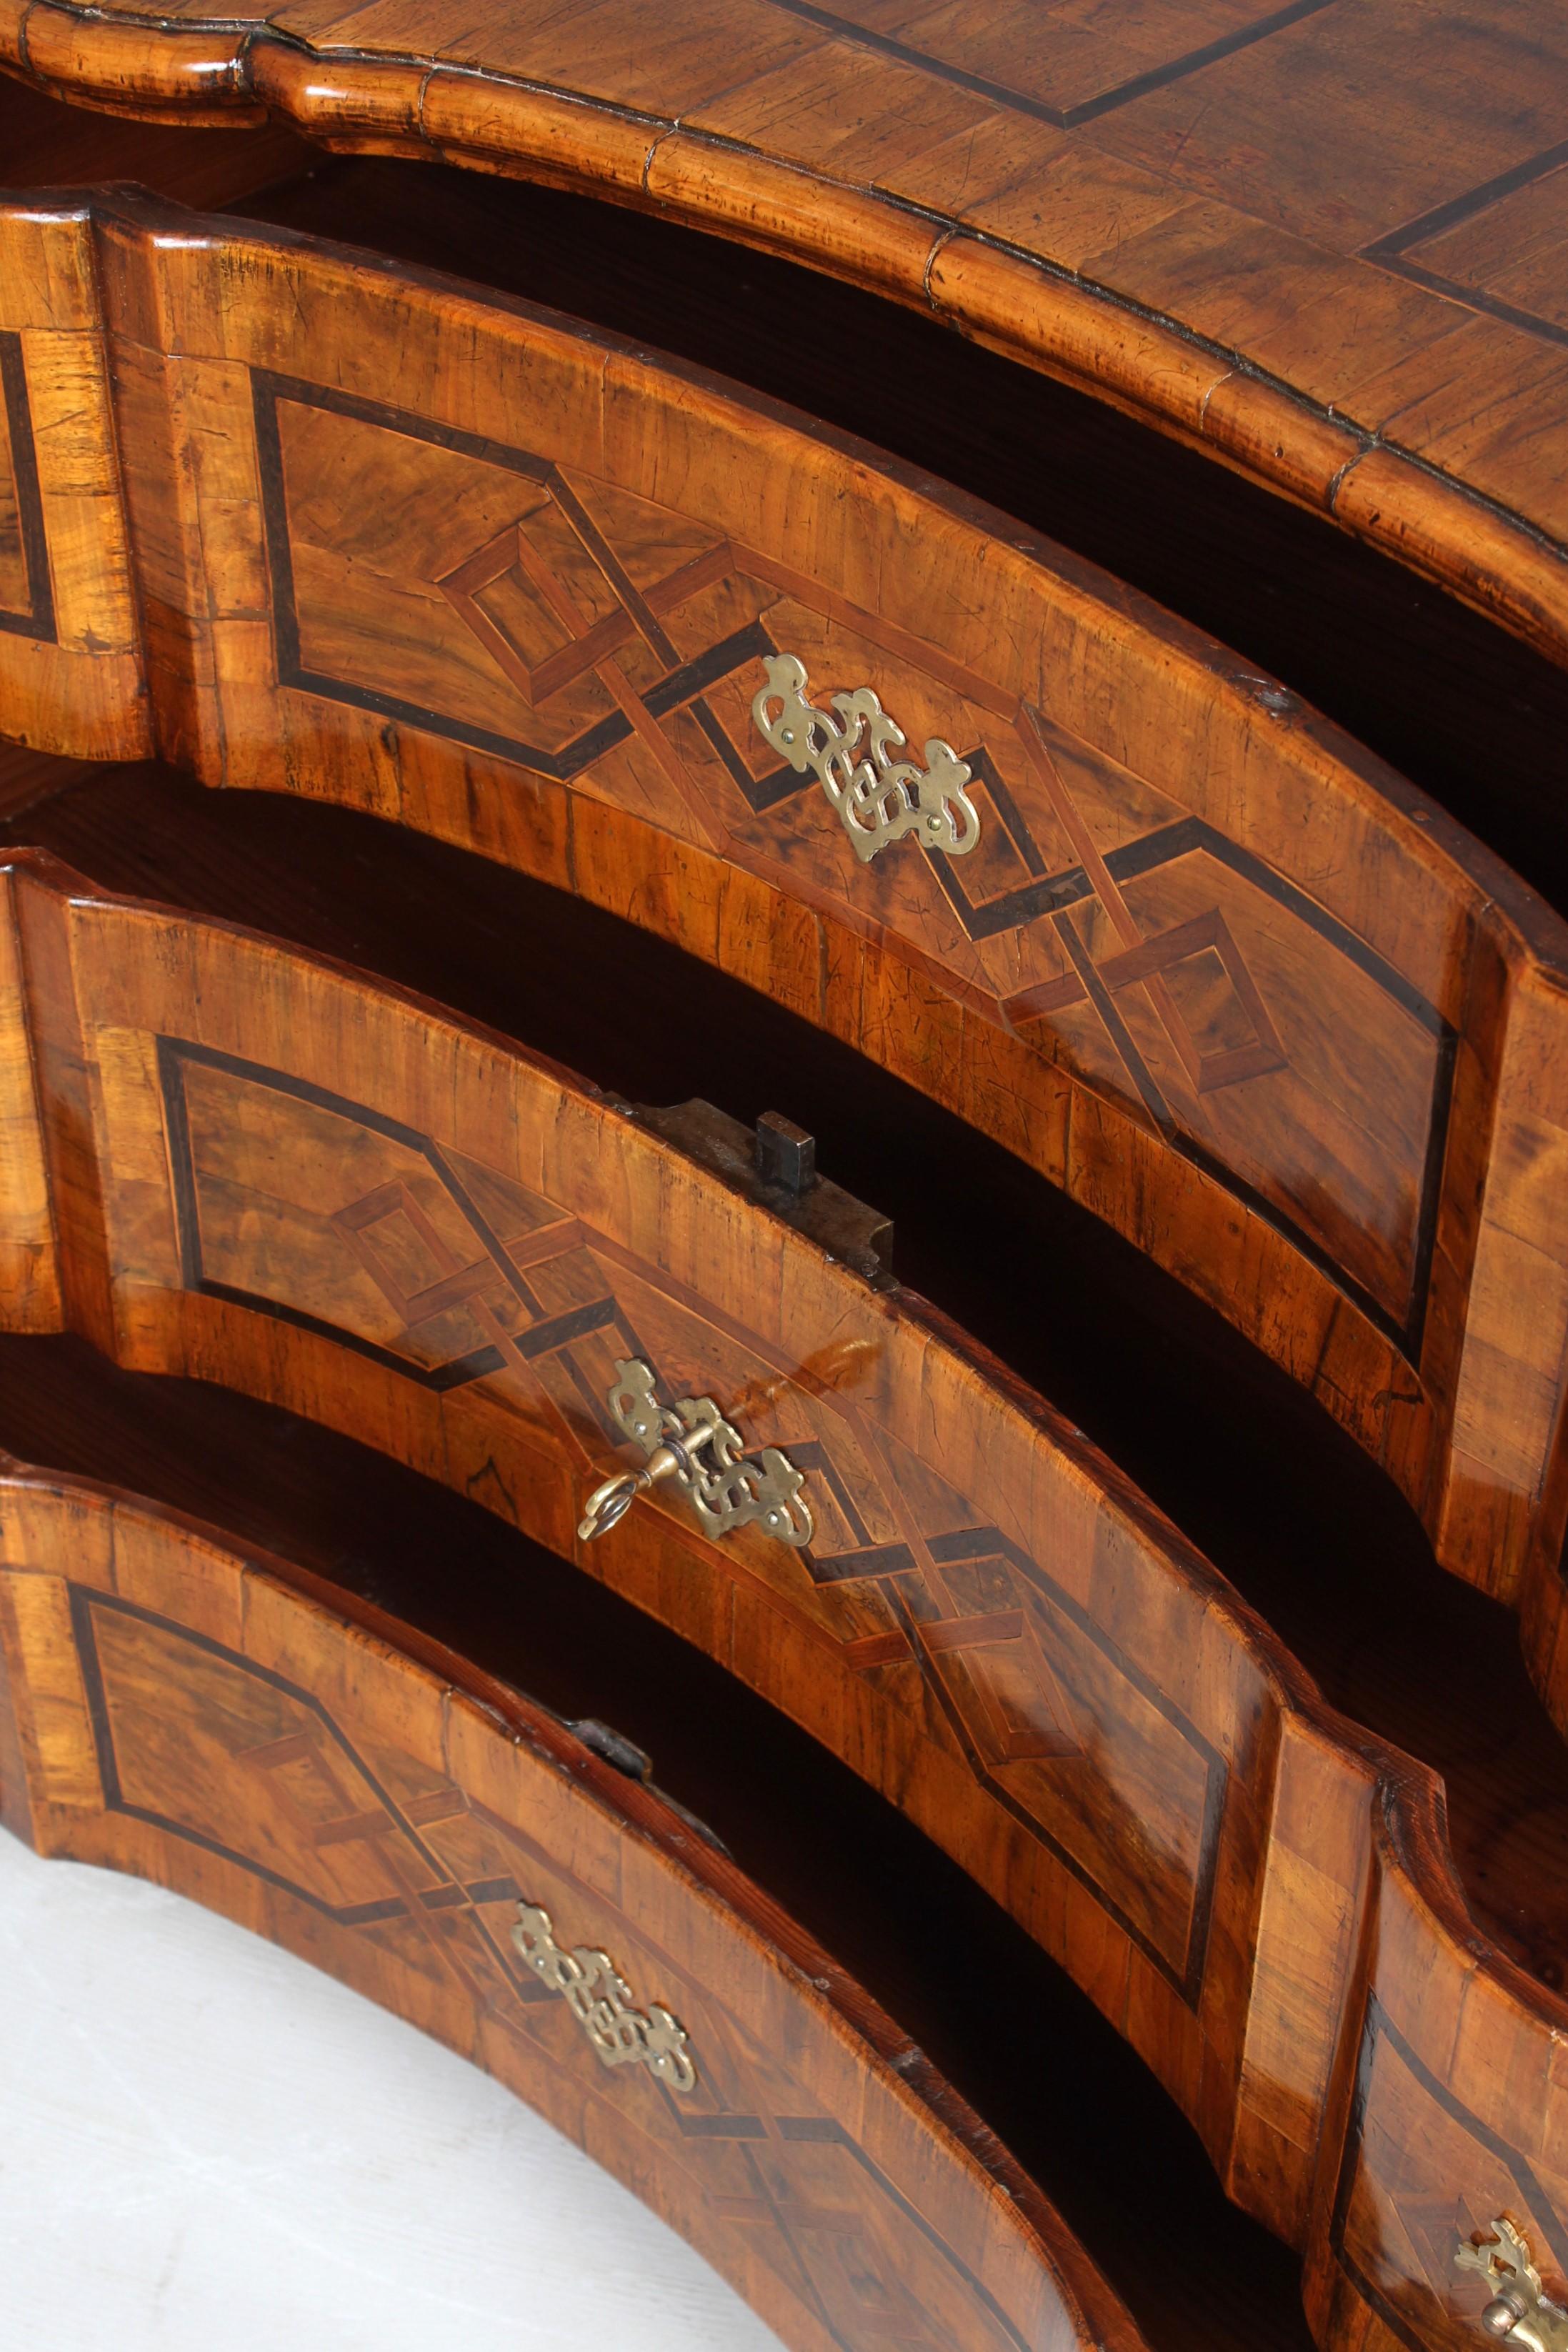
{"points": [[236, 1730], [263, 1169], [1212, 969], [1297, 1520], [69, 636], [1318, 243]]}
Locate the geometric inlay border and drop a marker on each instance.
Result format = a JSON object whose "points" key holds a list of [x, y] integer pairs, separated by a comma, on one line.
{"points": [[1379, 2027], [446, 1893], [684, 685], [39, 620], [889, 1566], [1018, 101], [1048, 896]]}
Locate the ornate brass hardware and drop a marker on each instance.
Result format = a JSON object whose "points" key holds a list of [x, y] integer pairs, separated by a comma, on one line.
{"points": [[879, 798], [1518, 2312], [601, 2000], [694, 1444]]}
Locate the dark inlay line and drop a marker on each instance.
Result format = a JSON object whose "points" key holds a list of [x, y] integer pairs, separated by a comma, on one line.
{"points": [[172, 1055], [84, 1600], [848, 1566], [1155, 849], [1462, 208], [1377, 2028], [682, 685], [440, 1378], [561, 1330], [1116, 1029], [1476, 297], [725, 2128], [1013, 821], [1185, 1978], [39, 620], [705, 669], [1063, 118], [269, 389], [810, 1453], [1227, 46], [806, 2127]]}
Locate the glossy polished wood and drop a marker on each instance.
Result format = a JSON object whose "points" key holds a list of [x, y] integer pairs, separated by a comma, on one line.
{"points": [[1295, 1518], [238, 1730], [245, 1165], [1093, 2130], [1321, 242], [1215, 971]]}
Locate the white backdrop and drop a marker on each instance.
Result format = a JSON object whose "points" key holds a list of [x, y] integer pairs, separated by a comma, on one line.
{"points": [[205, 2146]]}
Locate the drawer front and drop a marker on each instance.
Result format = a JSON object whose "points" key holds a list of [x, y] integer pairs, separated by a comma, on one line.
{"points": [[71, 674], [1175, 941], [217, 1724], [255, 1168]]}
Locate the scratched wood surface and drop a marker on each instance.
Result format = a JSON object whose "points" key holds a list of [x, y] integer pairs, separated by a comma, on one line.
{"points": [[236, 1730], [271, 1172], [1230, 982], [1322, 242]]}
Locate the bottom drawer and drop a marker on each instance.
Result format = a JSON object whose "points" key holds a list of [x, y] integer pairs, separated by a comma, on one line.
{"points": [[236, 1730]]}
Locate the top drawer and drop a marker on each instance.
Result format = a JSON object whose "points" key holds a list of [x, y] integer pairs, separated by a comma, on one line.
{"points": [[478, 569]]}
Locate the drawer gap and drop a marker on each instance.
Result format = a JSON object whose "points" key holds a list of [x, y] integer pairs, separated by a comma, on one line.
{"points": [[1290, 1511], [1075, 2108]]}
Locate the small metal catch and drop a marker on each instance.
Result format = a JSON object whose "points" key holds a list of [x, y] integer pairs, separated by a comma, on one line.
{"points": [[694, 1445]]}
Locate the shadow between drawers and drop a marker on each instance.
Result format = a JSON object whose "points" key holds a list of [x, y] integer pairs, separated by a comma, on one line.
{"points": [[1290, 1511], [1083, 2116], [1465, 710], [1340, 1950]]}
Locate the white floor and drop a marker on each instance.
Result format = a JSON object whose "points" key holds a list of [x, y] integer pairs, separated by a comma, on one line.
{"points": [[207, 2146]]}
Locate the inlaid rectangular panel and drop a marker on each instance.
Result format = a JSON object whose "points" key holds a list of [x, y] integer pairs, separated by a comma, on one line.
{"points": [[600, 638], [322, 1212], [476, 568]]}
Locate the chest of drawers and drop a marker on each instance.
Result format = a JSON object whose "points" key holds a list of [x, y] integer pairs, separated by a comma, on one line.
{"points": [[760, 754]]}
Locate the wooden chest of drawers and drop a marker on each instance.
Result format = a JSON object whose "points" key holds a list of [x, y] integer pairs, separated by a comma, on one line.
{"points": [[1215, 1071]]}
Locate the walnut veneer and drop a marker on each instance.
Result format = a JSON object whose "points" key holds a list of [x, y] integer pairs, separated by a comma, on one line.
{"points": [[1318, 241], [241, 1731], [476, 568], [226, 1159], [1285, 1039]]}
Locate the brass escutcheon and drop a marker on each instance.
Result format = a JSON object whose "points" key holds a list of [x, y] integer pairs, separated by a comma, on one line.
{"points": [[879, 798], [1519, 2312], [692, 1443]]}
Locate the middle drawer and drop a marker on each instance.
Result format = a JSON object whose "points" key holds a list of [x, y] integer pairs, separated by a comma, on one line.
{"points": [[229, 1159], [369, 536]]}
